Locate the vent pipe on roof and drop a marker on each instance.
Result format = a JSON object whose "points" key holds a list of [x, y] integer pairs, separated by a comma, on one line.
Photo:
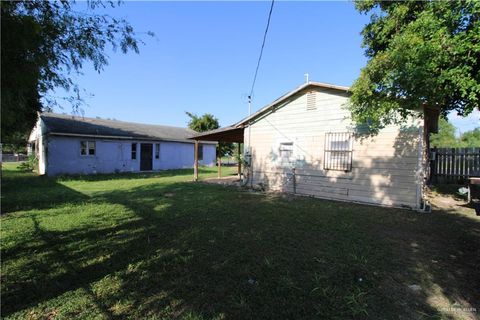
{"points": [[306, 77]]}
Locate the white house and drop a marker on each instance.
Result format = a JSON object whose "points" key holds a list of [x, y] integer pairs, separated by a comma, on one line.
{"points": [[305, 143]]}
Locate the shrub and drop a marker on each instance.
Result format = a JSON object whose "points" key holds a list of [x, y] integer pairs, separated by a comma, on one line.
{"points": [[30, 164]]}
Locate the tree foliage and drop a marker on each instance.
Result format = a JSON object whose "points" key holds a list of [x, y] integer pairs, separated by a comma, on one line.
{"points": [[204, 123], [420, 53], [446, 138], [44, 43], [470, 139], [209, 122]]}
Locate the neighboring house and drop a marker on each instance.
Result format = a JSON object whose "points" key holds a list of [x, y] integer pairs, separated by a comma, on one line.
{"points": [[66, 144], [305, 143]]}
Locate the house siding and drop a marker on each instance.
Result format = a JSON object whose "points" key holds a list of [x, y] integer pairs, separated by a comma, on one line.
{"points": [[115, 156], [386, 168], [38, 139]]}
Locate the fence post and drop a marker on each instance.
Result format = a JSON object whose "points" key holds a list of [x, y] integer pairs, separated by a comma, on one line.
{"points": [[294, 181]]}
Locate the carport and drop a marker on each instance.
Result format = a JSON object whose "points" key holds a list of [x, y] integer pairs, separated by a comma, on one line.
{"points": [[225, 134]]}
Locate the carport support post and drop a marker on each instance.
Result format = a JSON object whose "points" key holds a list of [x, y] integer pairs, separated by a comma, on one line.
{"points": [[195, 165], [239, 159]]}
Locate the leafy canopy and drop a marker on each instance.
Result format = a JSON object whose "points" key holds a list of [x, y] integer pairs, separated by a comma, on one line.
{"points": [[209, 122], [44, 43], [470, 138], [204, 123], [446, 138], [420, 53]]}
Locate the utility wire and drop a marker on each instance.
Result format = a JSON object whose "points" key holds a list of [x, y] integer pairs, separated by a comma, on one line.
{"points": [[261, 51]]}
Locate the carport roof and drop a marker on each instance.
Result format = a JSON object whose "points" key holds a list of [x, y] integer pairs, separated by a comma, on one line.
{"points": [[225, 134]]}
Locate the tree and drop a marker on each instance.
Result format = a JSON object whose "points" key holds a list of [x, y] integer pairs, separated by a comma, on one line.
{"points": [[208, 122], [204, 123], [43, 44], [445, 138], [470, 139], [420, 53]]}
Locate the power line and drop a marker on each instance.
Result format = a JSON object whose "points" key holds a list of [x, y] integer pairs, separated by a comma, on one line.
{"points": [[261, 51]]}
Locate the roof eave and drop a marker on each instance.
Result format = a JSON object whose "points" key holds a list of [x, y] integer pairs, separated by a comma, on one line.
{"points": [[97, 136], [287, 96]]}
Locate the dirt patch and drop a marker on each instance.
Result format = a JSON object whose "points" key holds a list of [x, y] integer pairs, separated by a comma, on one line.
{"points": [[230, 181], [449, 202]]}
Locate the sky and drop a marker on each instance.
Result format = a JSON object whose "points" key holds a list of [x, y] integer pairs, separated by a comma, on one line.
{"points": [[203, 56]]}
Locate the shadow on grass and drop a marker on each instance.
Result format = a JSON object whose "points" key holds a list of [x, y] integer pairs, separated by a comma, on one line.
{"points": [[188, 249], [25, 191]]}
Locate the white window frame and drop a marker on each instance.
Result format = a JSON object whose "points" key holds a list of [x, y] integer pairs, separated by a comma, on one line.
{"points": [[286, 153], [338, 151], [87, 146]]}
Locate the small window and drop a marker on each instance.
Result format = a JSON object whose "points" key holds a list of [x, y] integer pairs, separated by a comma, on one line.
{"points": [[200, 151], [338, 151], [286, 153], [83, 148], [157, 151], [91, 148], [134, 151], [87, 148]]}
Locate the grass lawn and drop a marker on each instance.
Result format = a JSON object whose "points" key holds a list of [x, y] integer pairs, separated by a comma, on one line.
{"points": [[158, 246]]}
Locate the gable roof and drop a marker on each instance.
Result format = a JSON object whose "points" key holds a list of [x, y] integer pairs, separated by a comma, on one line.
{"points": [[233, 133], [68, 125], [290, 94]]}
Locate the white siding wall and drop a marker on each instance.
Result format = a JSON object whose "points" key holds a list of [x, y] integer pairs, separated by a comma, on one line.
{"points": [[385, 168], [37, 137]]}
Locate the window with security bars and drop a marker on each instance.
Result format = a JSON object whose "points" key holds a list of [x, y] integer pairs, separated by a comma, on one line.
{"points": [[338, 151]]}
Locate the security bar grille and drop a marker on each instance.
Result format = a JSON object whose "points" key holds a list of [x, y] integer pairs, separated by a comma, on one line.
{"points": [[338, 151]]}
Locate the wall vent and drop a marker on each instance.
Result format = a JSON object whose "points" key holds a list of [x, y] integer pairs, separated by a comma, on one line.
{"points": [[311, 100]]}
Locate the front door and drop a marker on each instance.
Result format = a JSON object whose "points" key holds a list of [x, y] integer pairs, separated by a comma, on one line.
{"points": [[146, 152]]}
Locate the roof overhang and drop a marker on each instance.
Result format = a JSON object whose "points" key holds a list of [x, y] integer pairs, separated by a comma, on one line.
{"points": [[226, 134], [96, 136]]}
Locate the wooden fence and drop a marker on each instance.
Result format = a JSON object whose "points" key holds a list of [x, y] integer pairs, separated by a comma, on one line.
{"points": [[454, 165]]}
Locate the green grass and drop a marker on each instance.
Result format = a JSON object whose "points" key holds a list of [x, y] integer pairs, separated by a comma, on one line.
{"points": [[159, 246]]}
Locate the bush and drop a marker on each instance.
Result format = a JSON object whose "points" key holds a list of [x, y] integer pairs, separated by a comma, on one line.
{"points": [[29, 165]]}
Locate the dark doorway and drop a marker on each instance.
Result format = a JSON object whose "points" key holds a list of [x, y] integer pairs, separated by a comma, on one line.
{"points": [[146, 156]]}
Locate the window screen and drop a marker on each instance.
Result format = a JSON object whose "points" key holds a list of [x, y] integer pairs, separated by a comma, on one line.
{"points": [[157, 151], [338, 151]]}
